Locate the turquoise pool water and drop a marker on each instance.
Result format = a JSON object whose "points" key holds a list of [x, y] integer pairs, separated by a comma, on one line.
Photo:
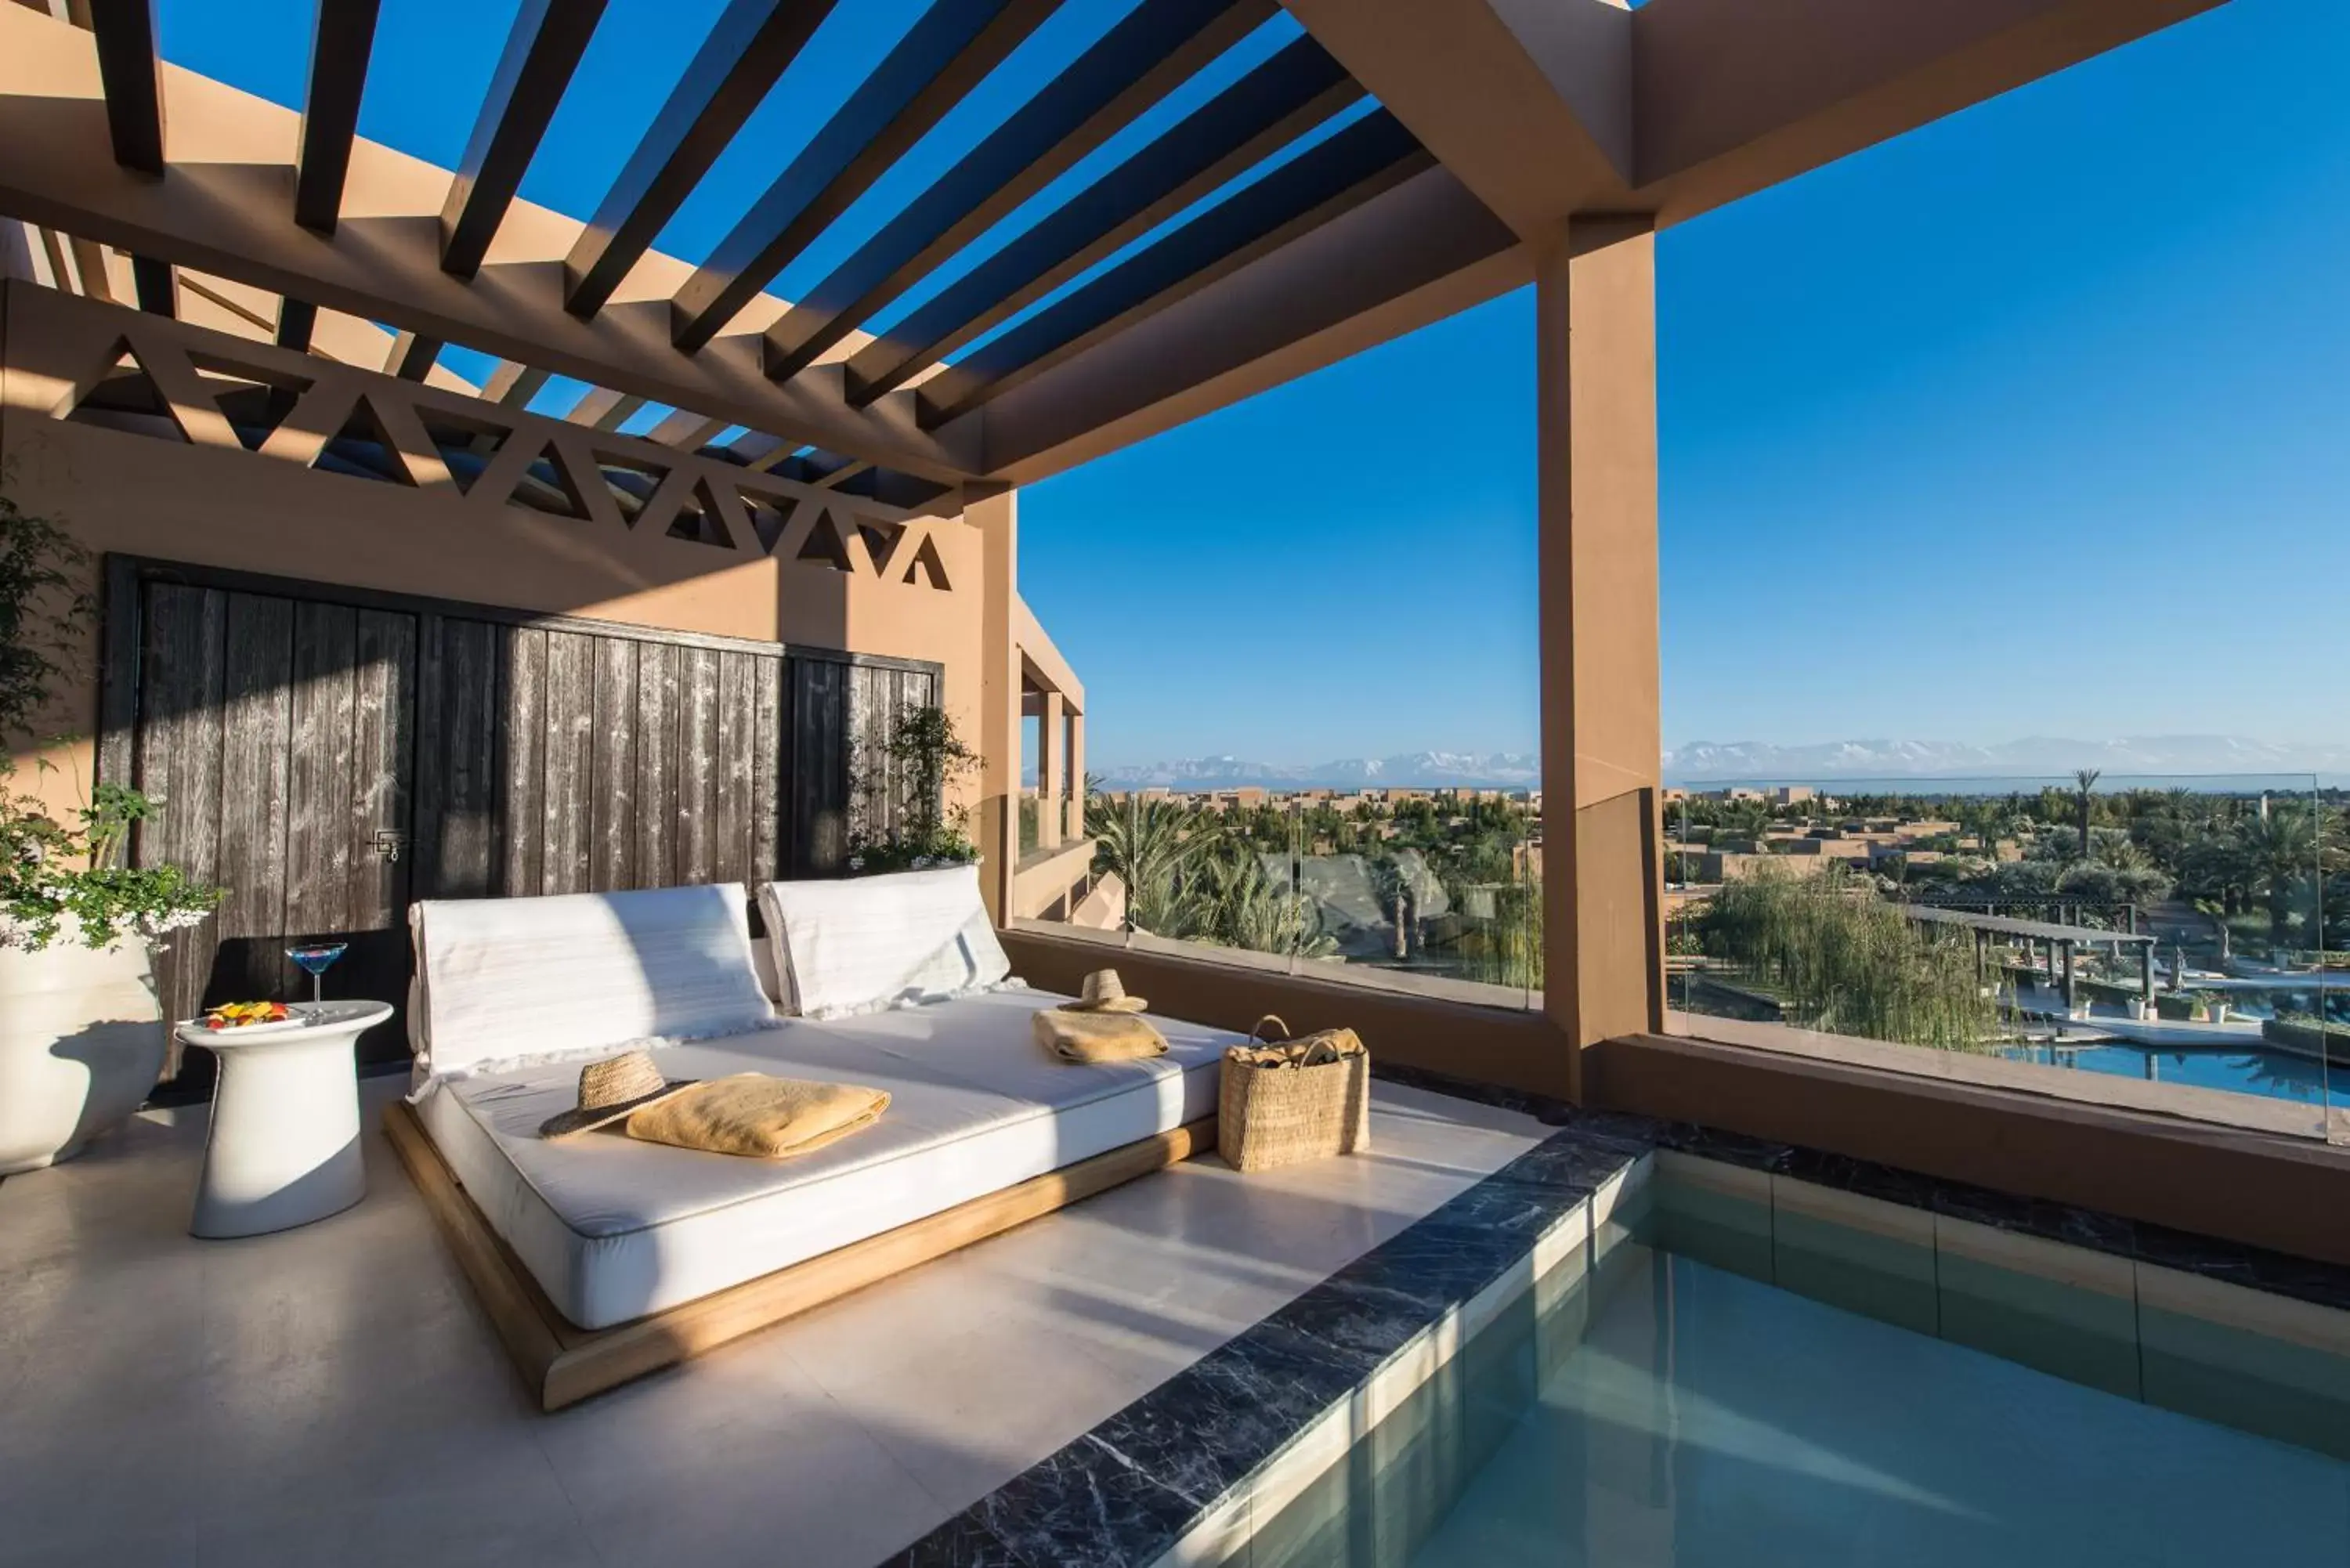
{"points": [[2276, 1074], [1710, 1419], [1736, 1370]]}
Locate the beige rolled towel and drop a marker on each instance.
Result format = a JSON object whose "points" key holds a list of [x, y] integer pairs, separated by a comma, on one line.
{"points": [[1097, 1036], [761, 1116]]}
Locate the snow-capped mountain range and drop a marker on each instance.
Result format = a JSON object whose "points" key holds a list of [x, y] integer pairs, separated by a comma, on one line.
{"points": [[2136, 756], [1416, 770]]}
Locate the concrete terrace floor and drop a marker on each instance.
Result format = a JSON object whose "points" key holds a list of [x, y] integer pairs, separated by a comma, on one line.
{"points": [[333, 1395]]}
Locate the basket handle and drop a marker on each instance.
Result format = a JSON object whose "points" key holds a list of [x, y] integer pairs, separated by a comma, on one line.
{"points": [[1256, 1032]]}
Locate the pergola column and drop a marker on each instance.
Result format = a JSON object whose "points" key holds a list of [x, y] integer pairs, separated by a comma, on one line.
{"points": [[997, 518], [1595, 389], [1076, 808], [1052, 770]]}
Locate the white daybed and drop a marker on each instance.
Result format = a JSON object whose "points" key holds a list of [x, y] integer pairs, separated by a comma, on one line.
{"points": [[602, 1258]]}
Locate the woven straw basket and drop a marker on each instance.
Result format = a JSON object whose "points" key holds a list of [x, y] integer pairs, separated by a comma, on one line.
{"points": [[1289, 1100]]}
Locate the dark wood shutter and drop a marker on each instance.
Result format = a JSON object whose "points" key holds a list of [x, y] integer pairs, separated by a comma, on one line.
{"points": [[329, 754]]}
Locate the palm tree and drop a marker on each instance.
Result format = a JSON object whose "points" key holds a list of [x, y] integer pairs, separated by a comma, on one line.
{"points": [[2282, 846], [1252, 909], [1151, 847], [2088, 780], [1392, 888]]}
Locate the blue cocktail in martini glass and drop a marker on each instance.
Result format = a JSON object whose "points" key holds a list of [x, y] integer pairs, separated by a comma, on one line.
{"points": [[317, 958]]}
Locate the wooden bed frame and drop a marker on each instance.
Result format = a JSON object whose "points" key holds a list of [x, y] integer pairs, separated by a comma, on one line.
{"points": [[562, 1364]]}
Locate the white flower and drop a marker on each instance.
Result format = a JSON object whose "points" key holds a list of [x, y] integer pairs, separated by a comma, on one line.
{"points": [[857, 863]]}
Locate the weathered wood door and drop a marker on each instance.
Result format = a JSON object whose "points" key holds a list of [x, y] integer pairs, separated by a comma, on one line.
{"points": [[274, 735], [328, 756]]}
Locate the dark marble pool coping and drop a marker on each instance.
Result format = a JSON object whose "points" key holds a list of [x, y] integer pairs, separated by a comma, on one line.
{"points": [[1133, 1488]]}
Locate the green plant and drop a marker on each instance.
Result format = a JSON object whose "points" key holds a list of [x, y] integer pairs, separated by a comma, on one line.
{"points": [[51, 873], [1847, 962], [1153, 849], [922, 759], [108, 899]]}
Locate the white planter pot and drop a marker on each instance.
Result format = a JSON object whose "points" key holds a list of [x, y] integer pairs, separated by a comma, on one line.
{"points": [[81, 1041]]}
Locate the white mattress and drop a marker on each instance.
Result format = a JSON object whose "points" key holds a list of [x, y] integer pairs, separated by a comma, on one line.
{"points": [[613, 1229]]}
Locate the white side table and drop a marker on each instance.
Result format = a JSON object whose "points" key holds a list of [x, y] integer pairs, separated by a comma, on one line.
{"points": [[285, 1143]]}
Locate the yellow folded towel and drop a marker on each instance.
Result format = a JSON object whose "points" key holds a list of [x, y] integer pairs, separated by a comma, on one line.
{"points": [[1097, 1036], [755, 1114]]}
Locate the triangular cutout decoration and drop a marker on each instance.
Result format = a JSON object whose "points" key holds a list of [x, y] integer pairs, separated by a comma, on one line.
{"points": [[124, 395], [363, 449], [547, 483], [254, 407], [631, 481], [467, 445], [700, 520], [770, 515], [881, 541], [824, 543], [927, 563]]}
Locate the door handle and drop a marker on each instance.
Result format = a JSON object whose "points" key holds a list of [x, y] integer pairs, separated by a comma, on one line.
{"points": [[389, 843]]}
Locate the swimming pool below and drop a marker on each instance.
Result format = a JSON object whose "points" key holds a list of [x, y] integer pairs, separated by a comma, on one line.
{"points": [[2279, 1074]]}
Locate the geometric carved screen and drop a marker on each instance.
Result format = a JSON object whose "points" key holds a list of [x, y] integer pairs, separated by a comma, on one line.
{"points": [[162, 378]]}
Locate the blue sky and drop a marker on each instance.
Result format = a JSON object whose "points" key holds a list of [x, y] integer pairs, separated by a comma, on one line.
{"points": [[2034, 421]]}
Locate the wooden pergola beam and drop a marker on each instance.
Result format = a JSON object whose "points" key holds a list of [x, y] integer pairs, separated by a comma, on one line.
{"points": [[1729, 98], [542, 51], [296, 320], [748, 49], [1147, 54], [1294, 90], [413, 357], [1529, 106], [1373, 155], [342, 37], [942, 58], [158, 285], [1413, 255], [128, 62], [222, 210]]}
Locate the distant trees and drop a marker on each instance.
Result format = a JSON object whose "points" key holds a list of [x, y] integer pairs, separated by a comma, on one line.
{"points": [[2087, 778], [1192, 877], [2279, 847], [1842, 961]]}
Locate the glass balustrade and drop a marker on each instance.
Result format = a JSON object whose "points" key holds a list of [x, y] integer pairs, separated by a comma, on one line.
{"points": [[2184, 933]]}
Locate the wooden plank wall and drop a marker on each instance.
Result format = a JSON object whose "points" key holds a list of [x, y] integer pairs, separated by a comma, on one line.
{"points": [[844, 784], [328, 759], [567, 762]]}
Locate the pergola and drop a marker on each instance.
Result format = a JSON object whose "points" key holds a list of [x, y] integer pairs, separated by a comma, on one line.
{"points": [[1445, 151], [2061, 940]]}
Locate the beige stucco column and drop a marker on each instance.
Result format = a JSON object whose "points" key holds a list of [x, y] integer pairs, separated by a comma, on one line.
{"points": [[1595, 372], [997, 518], [1052, 772], [1075, 810]]}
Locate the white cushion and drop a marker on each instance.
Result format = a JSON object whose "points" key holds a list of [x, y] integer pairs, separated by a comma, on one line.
{"points": [[502, 981], [872, 943], [613, 1229]]}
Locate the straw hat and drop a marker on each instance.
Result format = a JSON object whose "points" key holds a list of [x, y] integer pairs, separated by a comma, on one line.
{"points": [[609, 1090], [1104, 993]]}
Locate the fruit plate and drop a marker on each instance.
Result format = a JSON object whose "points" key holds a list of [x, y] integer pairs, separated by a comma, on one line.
{"points": [[201, 1028]]}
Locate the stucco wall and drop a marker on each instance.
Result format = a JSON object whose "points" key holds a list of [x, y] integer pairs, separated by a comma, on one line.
{"points": [[218, 505]]}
